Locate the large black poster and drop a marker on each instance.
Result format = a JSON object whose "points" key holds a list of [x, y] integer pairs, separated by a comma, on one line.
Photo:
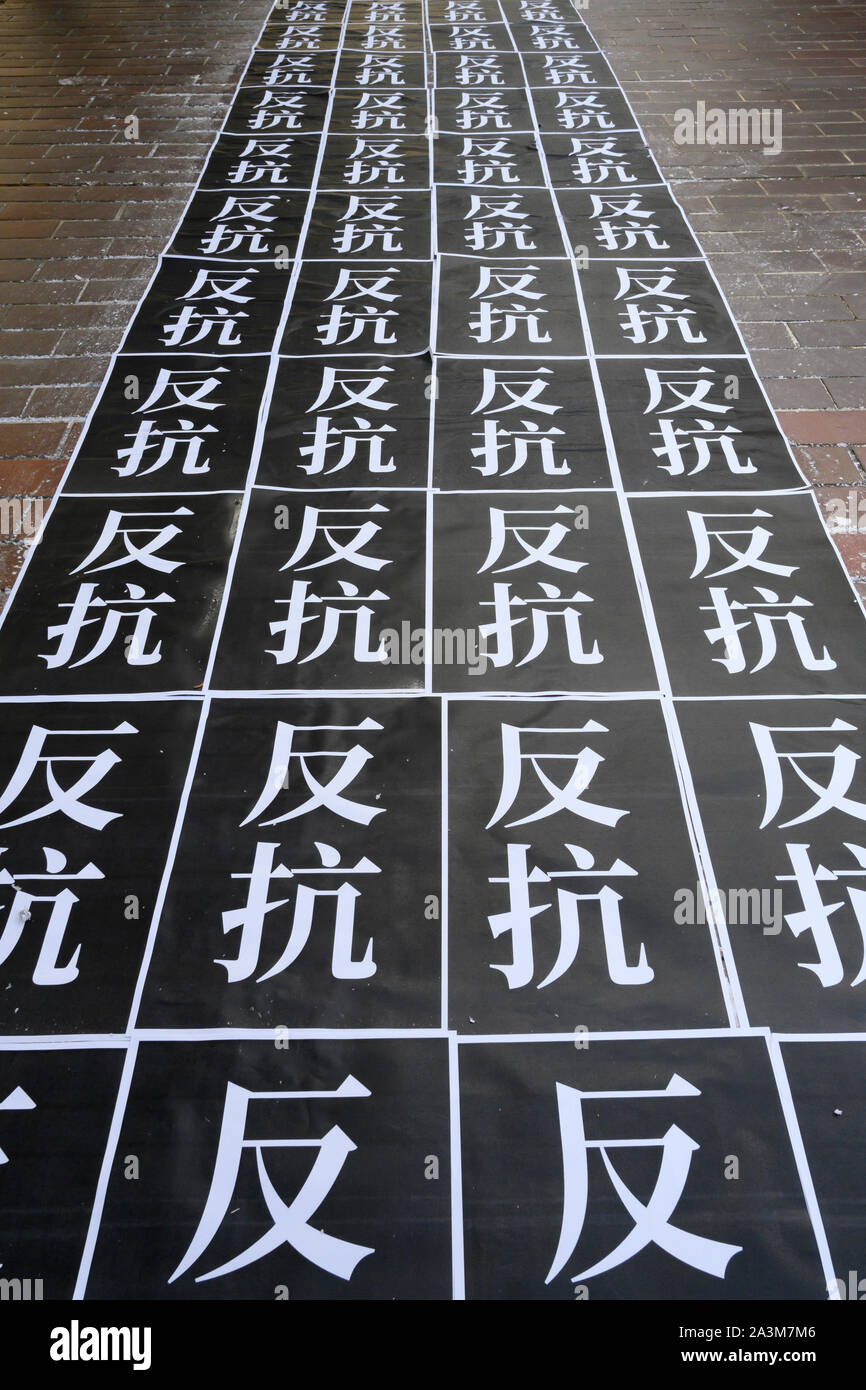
{"points": [[431, 792]]}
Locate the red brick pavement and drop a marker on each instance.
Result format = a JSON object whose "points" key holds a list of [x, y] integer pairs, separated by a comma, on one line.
{"points": [[785, 233], [84, 210]]}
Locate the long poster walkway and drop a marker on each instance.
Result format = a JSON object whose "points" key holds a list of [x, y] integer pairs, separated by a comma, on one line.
{"points": [[431, 789]]}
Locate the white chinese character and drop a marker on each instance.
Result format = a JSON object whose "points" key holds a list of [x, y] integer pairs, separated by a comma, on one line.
{"points": [[652, 1219], [291, 1224]]}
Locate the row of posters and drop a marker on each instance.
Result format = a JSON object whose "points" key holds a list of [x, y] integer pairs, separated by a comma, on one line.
{"points": [[432, 788]]}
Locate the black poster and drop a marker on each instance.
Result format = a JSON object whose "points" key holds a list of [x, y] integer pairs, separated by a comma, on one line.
{"points": [[517, 424], [323, 582], [538, 582], [322, 910], [597, 1169], [165, 425], [508, 308], [224, 309], [125, 600], [694, 426], [269, 1171], [90, 797], [349, 422], [360, 307], [55, 1111], [750, 599], [431, 792], [564, 890], [660, 306], [826, 1080], [781, 794]]}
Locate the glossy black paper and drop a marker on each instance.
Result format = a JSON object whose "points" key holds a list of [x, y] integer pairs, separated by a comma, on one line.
{"points": [[431, 797]]}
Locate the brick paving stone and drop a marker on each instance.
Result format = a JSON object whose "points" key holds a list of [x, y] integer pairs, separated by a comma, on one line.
{"points": [[847, 391], [83, 211], [845, 525], [31, 477], [11, 559], [798, 285], [30, 439], [824, 426], [828, 464]]}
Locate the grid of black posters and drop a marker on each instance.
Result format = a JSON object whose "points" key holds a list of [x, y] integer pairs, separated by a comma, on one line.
{"points": [[431, 791]]}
